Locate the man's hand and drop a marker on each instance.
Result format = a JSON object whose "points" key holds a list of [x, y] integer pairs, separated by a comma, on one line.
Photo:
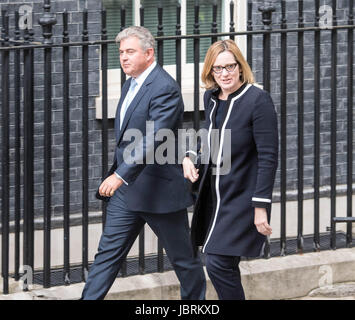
{"points": [[190, 172], [110, 185], [260, 221]]}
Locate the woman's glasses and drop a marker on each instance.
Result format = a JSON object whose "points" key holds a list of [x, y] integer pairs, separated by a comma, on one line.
{"points": [[228, 67]]}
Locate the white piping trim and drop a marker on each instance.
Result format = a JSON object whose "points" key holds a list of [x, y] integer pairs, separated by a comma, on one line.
{"points": [[261, 200], [119, 177], [219, 162], [190, 151], [210, 130]]}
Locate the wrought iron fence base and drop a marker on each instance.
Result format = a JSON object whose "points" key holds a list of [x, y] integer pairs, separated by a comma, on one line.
{"points": [[58, 277]]}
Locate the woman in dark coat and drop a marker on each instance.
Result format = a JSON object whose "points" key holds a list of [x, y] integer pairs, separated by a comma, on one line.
{"points": [[232, 210]]}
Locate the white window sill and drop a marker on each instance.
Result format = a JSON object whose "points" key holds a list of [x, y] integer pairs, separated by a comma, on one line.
{"points": [[114, 89]]}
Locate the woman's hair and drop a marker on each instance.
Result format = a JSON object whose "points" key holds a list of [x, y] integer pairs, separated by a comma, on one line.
{"points": [[146, 39], [213, 51]]}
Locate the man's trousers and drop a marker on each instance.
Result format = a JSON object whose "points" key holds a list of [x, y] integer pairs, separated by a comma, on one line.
{"points": [[121, 229]]}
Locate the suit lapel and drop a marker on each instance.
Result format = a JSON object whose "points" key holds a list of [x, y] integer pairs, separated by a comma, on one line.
{"points": [[133, 105], [135, 102]]}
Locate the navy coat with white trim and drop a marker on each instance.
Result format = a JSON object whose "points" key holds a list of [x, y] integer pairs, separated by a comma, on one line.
{"points": [[225, 226]]}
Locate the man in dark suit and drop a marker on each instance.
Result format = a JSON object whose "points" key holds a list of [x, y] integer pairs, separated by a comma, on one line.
{"points": [[143, 191]]}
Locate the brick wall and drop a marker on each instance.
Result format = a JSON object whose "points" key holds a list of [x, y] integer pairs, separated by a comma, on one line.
{"points": [[292, 83], [74, 9]]}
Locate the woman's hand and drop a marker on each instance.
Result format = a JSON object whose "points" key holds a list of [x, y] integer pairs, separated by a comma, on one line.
{"points": [[190, 172], [260, 221]]}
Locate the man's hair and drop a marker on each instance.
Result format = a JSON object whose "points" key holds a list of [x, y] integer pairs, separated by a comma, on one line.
{"points": [[146, 39]]}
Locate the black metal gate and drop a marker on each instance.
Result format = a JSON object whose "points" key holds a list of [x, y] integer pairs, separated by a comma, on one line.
{"points": [[17, 99]]}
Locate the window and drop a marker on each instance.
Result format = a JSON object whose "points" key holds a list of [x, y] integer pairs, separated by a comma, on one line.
{"points": [[205, 19], [113, 8], [113, 22], [169, 24]]}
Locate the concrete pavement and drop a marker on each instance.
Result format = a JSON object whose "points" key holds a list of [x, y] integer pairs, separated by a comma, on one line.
{"points": [[317, 275]]}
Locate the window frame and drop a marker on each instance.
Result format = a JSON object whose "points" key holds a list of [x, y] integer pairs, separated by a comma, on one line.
{"points": [[114, 75]]}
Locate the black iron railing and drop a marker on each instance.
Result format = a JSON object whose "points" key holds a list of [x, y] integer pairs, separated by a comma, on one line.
{"points": [[21, 51]]}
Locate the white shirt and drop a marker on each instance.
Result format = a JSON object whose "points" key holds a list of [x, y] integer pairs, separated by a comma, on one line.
{"points": [[144, 75]]}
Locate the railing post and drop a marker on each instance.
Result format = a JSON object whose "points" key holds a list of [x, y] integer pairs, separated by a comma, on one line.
{"points": [[300, 136], [231, 17], [104, 99], [66, 150], [178, 44], [47, 21], [196, 67], [333, 132], [123, 25], [214, 20], [123, 79], [160, 33], [267, 9], [283, 129], [5, 136], [28, 176], [249, 36], [85, 144], [316, 236], [349, 239], [17, 84], [141, 15], [141, 247], [141, 237]]}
